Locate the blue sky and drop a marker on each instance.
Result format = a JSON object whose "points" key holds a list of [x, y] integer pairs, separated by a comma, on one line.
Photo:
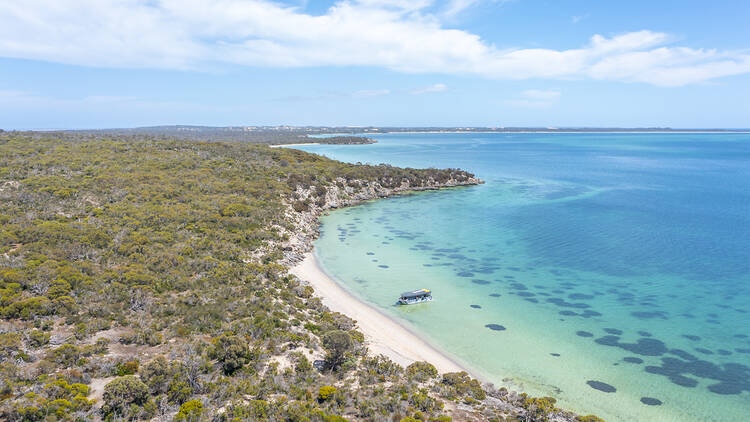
{"points": [[124, 63]]}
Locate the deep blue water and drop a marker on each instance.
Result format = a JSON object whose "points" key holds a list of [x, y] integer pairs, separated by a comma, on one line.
{"points": [[628, 251]]}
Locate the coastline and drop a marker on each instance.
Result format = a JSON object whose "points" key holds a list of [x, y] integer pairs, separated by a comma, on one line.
{"points": [[294, 145], [566, 132], [383, 335]]}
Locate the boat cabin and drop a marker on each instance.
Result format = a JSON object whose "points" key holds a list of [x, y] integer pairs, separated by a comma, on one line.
{"points": [[417, 296]]}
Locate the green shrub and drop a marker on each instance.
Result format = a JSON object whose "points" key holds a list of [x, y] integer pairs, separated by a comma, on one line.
{"points": [[337, 343], [326, 392], [421, 371], [259, 408], [28, 308], [461, 384], [190, 411], [589, 418], [303, 365], [236, 210], [231, 351], [58, 288], [63, 305], [422, 401], [123, 392], [9, 343], [126, 368], [539, 406], [82, 403], [179, 392], [65, 355], [156, 375], [38, 338], [60, 389]]}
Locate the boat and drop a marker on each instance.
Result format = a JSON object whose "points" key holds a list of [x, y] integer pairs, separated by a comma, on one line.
{"points": [[417, 296]]}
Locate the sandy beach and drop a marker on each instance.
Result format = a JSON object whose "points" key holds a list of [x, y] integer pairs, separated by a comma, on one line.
{"points": [[382, 334]]}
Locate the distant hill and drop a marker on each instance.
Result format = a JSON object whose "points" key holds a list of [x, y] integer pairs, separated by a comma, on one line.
{"points": [[252, 134], [345, 134]]}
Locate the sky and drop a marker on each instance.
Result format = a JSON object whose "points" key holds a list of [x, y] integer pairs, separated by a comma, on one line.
{"points": [[564, 63]]}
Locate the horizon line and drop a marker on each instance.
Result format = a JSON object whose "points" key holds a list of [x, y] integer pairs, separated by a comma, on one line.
{"points": [[386, 128]]}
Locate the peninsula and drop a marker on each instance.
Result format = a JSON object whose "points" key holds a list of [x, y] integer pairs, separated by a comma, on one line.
{"points": [[144, 276]]}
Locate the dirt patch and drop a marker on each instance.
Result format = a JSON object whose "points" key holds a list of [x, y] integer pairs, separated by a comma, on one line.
{"points": [[97, 389]]}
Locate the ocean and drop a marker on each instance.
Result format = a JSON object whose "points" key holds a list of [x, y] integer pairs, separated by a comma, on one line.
{"points": [[610, 271]]}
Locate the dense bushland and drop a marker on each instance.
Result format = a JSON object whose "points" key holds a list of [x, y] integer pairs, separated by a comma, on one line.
{"points": [[141, 279]]}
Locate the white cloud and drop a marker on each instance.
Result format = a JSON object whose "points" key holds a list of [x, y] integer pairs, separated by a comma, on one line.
{"points": [[428, 89], [455, 7], [397, 4], [401, 35]]}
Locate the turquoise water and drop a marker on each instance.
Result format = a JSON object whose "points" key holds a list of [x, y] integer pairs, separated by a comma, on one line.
{"points": [[610, 271]]}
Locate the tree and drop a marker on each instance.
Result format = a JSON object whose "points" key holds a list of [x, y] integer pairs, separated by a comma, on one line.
{"points": [[122, 392], [231, 351], [156, 374], [337, 343]]}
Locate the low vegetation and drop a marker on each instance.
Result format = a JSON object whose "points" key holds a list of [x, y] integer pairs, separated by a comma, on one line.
{"points": [[143, 279], [351, 140]]}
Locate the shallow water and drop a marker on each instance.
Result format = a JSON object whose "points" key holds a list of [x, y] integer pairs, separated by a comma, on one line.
{"points": [[610, 271]]}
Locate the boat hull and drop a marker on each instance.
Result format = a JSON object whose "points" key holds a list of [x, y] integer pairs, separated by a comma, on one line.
{"points": [[414, 301]]}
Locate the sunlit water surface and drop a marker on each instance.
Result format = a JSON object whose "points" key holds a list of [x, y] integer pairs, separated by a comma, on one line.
{"points": [[610, 271]]}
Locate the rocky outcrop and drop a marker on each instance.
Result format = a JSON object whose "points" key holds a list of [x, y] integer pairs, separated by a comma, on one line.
{"points": [[343, 193]]}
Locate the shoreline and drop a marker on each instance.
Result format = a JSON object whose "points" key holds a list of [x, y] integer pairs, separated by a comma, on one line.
{"points": [[567, 132], [383, 334], [294, 145]]}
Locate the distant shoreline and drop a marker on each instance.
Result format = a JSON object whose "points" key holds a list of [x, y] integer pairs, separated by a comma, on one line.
{"points": [[572, 131], [665, 132], [294, 145]]}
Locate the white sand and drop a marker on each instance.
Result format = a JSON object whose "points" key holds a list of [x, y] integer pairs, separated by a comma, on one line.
{"points": [[382, 334]]}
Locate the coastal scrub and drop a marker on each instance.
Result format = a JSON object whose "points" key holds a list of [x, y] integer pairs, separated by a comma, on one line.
{"points": [[142, 276]]}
